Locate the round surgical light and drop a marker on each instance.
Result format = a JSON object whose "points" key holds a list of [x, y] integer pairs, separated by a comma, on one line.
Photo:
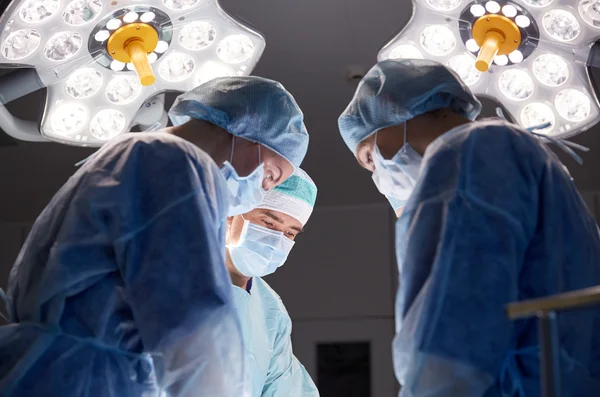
{"points": [[538, 3], [516, 56], [117, 66], [464, 66], [536, 114], [405, 51], [107, 124], [550, 70], [561, 25], [147, 17], [472, 45], [589, 10], [236, 48], [80, 12], [130, 17], [161, 47], [501, 60], [63, 46], [102, 35], [438, 40], [123, 89], [444, 5], [114, 24], [36, 11], [516, 84], [21, 44], [573, 105], [197, 35], [176, 67], [68, 119], [83, 83]]}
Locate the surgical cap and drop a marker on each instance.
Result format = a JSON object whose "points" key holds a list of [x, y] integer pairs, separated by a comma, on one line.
{"points": [[395, 91], [295, 197], [254, 108]]}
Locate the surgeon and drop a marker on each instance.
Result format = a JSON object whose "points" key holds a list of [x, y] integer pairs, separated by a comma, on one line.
{"points": [[121, 288], [258, 243], [489, 217]]}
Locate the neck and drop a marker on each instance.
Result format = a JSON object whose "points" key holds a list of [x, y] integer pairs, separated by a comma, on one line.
{"points": [[237, 279], [213, 140]]}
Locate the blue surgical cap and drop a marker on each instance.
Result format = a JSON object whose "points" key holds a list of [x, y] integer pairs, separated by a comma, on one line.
{"points": [[395, 91], [254, 108]]}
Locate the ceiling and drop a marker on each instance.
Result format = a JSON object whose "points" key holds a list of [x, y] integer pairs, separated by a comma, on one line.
{"points": [[311, 47]]}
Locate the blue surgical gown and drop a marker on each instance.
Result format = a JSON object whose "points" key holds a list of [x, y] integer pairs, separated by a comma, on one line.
{"points": [[494, 219], [121, 289], [267, 329]]}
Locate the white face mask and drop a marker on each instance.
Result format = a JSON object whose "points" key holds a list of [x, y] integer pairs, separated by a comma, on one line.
{"points": [[259, 250], [245, 192], [396, 178]]}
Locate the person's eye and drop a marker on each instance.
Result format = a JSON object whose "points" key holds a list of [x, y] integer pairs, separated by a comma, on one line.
{"points": [[291, 234], [267, 223]]}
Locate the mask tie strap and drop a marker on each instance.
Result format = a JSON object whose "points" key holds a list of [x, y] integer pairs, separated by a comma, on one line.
{"points": [[563, 144], [232, 149]]}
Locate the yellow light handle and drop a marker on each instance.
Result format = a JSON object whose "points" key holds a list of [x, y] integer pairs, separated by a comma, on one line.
{"points": [[489, 49], [137, 53]]}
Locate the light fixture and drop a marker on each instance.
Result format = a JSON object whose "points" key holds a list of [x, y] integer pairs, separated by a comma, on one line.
{"points": [[530, 55], [103, 60]]}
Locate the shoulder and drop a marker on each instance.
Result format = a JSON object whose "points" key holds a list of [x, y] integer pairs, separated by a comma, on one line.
{"points": [[270, 297]]}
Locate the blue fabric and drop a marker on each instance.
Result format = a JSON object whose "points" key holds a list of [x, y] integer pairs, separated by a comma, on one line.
{"points": [[254, 108], [121, 288], [395, 91], [267, 329], [493, 219]]}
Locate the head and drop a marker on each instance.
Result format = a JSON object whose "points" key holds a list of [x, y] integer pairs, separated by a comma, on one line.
{"points": [[399, 108], [259, 241], [264, 126]]}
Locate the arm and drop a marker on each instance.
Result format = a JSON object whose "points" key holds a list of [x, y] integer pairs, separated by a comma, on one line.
{"points": [[287, 377], [460, 254], [172, 263]]}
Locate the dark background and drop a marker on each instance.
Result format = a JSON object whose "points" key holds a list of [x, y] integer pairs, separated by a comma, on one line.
{"points": [[339, 283]]}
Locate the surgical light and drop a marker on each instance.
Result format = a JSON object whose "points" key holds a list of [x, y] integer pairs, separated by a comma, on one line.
{"points": [[103, 60], [530, 55]]}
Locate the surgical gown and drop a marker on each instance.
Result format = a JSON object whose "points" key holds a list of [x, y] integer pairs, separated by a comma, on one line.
{"points": [[493, 219], [267, 329], [121, 289]]}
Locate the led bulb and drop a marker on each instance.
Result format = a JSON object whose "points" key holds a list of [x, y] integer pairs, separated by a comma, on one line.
{"points": [[509, 11], [492, 7], [113, 24], [117, 66], [107, 124], [180, 4], [130, 17], [80, 12], [152, 57], [20, 44], [176, 67], [197, 35], [236, 48], [516, 84], [516, 56], [501, 60], [535, 114], [102, 35], [63, 46], [36, 11], [477, 10], [522, 21], [83, 83], [561, 25], [472, 45], [438, 40], [444, 5], [573, 105], [464, 66], [589, 10], [161, 47], [147, 17], [123, 89], [550, 70], [68, 119], [538, 3], [405, 51]]}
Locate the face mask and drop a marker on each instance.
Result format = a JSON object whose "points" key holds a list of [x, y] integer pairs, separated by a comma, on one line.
{"points": [[396, 178], [259, 251], [245, 193]]}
